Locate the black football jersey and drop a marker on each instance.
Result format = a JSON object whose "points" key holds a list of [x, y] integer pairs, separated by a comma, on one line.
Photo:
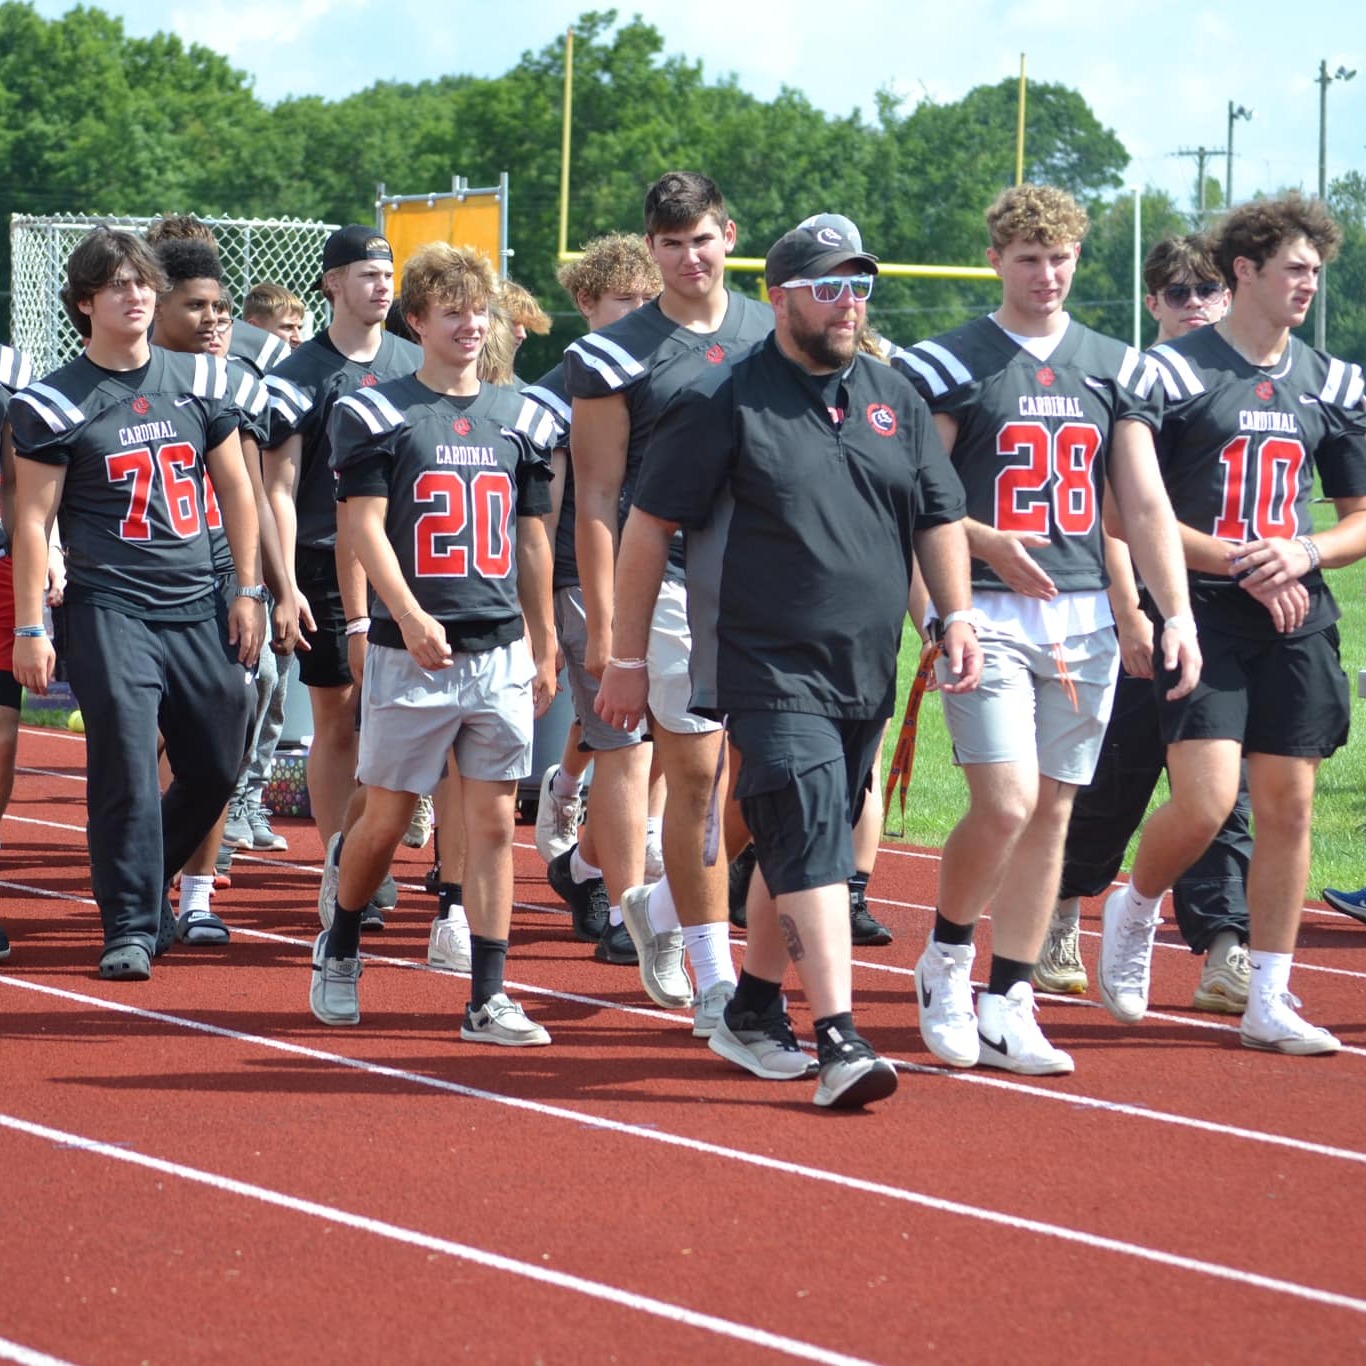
{"points": [[1034, 436], [551, 393], [259, 350], [1239, 446], [457, 473], [16, 370], [303, 389], [626, 356], [132, 512]]}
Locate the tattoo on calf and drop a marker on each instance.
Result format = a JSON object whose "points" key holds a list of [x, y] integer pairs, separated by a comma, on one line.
{"points": [[796, 950]]}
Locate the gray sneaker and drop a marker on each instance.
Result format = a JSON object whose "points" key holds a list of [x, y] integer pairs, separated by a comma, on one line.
{"points": [[856, 1076], [662, 971], [708, 1008], [762, 1044], [333, 997], [501, 1020], [327, 890], [237, 831], [262, 836]]}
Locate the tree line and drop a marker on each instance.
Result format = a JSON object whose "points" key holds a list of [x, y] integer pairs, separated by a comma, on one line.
{"points": [[95, 121]]}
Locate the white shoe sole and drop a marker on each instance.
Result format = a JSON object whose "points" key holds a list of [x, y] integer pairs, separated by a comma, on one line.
{"points": [[725, 1045], [1059, 1066], [1294, 1045]]}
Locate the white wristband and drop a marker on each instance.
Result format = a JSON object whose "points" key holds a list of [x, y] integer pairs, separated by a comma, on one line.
{"points": [[1180, 623], [972, 616], [359, 627]]}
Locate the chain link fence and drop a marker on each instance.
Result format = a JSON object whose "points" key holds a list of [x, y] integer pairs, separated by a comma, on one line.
{"points": [[287, 251]]}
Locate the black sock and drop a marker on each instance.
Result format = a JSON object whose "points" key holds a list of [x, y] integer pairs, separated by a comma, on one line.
{"points": [[946, 932], [755, 994], [1005, 972], [451, 895], [343, 939], [832, 1033], [488, 957]]}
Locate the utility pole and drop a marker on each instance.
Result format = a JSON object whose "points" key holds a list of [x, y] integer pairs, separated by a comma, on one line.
{"points": [[1238, 112], [1324, 80], [1201, 155]]}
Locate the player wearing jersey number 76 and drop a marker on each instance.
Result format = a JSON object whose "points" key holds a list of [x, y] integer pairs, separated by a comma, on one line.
{"points": [[116, 445], [442, 482]]}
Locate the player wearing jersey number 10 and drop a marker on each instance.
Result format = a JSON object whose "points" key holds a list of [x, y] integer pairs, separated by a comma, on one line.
{"points": [[442, 482]]}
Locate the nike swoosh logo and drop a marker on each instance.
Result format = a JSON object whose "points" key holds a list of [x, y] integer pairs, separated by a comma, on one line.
{"points": [[181, 402], [1309, 399], [999, 1045], [926, 997], [1095, 383]]}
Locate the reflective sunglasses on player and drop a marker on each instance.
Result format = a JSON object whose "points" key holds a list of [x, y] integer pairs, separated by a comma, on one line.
{"points": [[829, 289], [1206, 291]]}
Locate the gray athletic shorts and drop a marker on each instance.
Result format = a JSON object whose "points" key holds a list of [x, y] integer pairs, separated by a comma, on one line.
{"points": [[1049, 701], [571, 625], [669, 650], [481, 705]]}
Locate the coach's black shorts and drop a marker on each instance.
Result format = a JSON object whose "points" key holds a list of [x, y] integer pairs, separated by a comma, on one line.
{"points": [[1284, 696], [801, 787], [325, 665], [11, 694]]}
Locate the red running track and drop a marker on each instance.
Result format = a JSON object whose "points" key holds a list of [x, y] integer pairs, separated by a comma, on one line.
{"points": [[196, 1170]]}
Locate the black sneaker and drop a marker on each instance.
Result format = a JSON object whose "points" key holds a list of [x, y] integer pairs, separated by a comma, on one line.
{"points": [[588, 902], [4, 943], [865, 929], [616, 946], [741, 871], [853, 1075]]}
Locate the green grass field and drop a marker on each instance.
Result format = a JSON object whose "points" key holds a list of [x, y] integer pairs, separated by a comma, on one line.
{"points": [[938, 794]]}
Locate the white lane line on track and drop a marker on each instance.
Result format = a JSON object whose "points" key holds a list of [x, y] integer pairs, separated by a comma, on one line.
{"points": [[493, 1261], [916, 1198], [26, 1356]]}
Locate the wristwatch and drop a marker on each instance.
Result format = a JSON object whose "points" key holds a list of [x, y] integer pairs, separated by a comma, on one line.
{"points": [[257, 592]]}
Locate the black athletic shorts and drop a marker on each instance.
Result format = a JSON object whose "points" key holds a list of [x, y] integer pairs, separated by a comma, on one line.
{"points": [[325, 665], [801, 786], [1285, 696], [11, 694]]}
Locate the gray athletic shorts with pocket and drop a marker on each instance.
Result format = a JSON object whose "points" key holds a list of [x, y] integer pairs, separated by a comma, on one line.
{"points": [[482, 705]]}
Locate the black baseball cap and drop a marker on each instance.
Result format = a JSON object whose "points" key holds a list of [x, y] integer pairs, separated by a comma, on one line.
{"points": [[358, 242], [816, 245]]}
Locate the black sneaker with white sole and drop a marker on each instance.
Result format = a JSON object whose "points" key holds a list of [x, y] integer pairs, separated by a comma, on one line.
{"points": [[865, 929], [616, 946], [588, 902], [853, 1076]]}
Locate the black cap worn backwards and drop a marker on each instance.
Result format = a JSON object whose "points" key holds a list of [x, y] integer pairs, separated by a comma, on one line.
{"points": [[815, 246], [354, 243]]}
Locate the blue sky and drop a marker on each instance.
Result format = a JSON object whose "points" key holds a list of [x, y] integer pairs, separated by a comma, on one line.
{"points": [[1160, 74]]}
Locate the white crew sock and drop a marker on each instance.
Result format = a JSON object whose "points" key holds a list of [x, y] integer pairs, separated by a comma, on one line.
{"points": [[1068, 913], [195, 892], [660, 910], [580, 869], [614, 916], [708, 949], [1270, 976], [1141, 907], [565, 785]]}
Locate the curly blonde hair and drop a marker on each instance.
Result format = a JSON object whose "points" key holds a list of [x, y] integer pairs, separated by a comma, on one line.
{"points": [[456, 277], [519, 305], [616, 263], [1036, 213]]}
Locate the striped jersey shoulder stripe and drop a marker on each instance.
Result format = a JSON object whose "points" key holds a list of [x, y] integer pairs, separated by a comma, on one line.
{"points": [[250, 394], [16, 370], [288, 399], [53, 406], [1178, 377], [938, 369], [1343, 385], [210, 377], [377, 413], [613, 362], [273, 352], [536, 421], [547, 398]]}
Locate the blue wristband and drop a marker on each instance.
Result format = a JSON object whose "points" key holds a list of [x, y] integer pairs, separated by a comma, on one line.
{"points": [[33, 631]]}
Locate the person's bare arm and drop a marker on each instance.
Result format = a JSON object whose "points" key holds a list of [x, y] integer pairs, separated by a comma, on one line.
{"points": [[280, 474], [37, 495], [941, 553], [602, 432], [534, 563], [232, 488]]}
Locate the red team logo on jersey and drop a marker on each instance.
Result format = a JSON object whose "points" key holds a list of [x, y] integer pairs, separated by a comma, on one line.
{"points": [[461, 426], [140, 405], [716, 353], [1265, 391], [881, 419], [1046, 377], [368, 381]]}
